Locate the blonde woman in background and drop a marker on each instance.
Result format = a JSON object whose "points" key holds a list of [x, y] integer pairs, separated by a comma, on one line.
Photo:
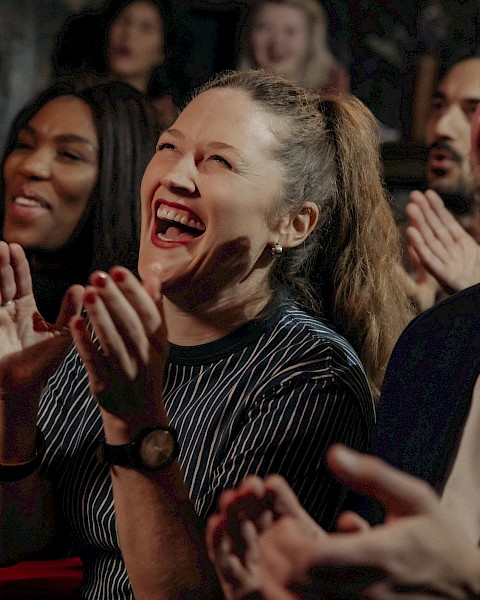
{"points": [[289, 38]]}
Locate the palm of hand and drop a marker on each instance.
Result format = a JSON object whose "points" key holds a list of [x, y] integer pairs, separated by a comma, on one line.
{"points": [[30, 349]]}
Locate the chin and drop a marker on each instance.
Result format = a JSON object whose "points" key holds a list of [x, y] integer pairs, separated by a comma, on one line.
{"points": [[18, 238]]}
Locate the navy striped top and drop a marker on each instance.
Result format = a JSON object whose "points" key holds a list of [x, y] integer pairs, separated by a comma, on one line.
{"points": [[271, 397]]}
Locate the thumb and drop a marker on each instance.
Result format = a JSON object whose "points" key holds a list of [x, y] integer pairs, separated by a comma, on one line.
{"points": [[71, 306], [399, 493], [350, 522]]}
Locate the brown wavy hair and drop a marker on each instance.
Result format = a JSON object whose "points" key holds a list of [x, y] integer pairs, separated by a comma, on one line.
{"points": [[348, 270]]}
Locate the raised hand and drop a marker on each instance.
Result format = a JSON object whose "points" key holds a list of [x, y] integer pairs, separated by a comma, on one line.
{"points": [[261, 541], [288, 556], [424, 288], [30, 349], [126, 355], [442, 245], [420, 552]]}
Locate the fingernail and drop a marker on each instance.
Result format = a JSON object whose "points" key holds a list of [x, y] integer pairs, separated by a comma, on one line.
{"points": [[80, 325], [100, 280], [90, 298], [225, 544], [118, 276]]}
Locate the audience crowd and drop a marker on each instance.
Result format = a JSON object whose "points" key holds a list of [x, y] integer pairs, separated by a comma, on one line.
{"points": [[230, 366]]}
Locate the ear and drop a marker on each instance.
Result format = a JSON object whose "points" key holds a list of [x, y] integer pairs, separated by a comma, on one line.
{"points": [[295, 229]]}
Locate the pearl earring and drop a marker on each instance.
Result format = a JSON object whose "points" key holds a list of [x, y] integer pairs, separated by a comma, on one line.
{"points": [[276, 250]]}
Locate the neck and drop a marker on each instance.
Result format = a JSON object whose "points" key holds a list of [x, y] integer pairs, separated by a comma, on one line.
{"points": [[56, 261], [189, 326]]}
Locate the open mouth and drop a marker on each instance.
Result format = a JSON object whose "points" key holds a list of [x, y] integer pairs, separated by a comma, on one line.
{"points": [[440, 161], [175, 224], [122, 51], [439, 172]]}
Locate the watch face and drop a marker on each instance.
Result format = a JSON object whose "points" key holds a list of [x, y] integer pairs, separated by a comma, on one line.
{"points": [[157, 448]]}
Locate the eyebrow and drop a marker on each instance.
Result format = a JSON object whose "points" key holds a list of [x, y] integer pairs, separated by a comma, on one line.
{"points": [[64, 137], [442, 96]]}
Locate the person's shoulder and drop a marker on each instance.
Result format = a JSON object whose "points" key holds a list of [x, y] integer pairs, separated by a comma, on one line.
{"points": [[319, 333], [329, 355], [306, 340], [436, 353], [452, 311]]}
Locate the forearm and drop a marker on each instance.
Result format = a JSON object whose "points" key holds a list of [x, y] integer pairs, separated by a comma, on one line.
{"points": [[160, 534], [161, 537]]}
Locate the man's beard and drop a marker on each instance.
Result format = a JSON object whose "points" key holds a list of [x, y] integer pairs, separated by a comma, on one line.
{"points": [[457, 203], [459, 195]]}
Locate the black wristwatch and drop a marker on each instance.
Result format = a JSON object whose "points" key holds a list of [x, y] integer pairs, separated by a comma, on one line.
{"points": [[10, 473], [153, 449]]}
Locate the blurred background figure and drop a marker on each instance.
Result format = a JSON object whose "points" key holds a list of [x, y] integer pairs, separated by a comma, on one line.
{"points": [[447, 31], [448, 171], [129, 44], [448, 138], [289, 38]]}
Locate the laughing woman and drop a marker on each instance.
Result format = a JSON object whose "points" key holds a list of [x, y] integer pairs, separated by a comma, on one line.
{"points": [[225, 361]]}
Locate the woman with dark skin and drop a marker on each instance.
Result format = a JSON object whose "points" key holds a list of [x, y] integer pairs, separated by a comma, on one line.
{"points": [[72, 160]]}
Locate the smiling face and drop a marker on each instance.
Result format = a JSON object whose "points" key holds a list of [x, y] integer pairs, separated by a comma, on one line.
{"points": [[280, 39], [136, 43], [50, 175], [208, 196], [449, 127]]}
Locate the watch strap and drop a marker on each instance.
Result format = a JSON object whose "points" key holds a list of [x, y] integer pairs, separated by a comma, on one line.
{"points": [[121, 454], [128, 455], [9, 473]]}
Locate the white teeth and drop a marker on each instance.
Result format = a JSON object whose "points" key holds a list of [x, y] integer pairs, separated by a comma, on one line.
{"points": [[165, 212], [22, 201]]}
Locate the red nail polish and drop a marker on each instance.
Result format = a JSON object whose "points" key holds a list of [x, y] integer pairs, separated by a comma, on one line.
{"points": [[80, 325], [118, 276], [100, 280], [90, 298]]}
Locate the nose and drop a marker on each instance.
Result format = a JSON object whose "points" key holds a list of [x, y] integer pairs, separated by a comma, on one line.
{"points": [[275, 39], [181, 176], [36, 164]]}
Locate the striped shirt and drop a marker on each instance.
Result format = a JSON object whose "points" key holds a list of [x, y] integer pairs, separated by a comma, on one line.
{"points": [[271, 397]]}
